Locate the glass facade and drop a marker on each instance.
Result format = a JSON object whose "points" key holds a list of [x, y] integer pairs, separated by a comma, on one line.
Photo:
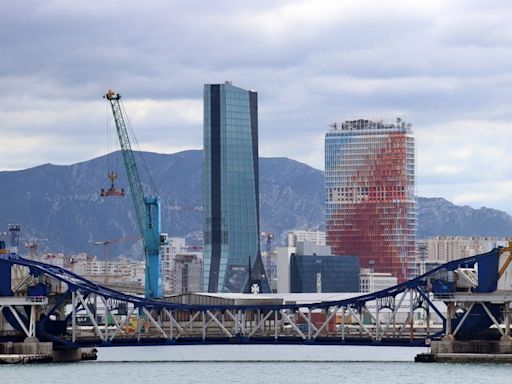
{"points": [[316, 274], [232, 259], [369, 187]]}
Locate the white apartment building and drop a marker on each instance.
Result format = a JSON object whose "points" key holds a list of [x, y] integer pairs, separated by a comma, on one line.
{"points": [[171, 247], [121, 271], [443, 249], [317, 237], [187, 274], [181, 266], [370, 281], [57, 259]]}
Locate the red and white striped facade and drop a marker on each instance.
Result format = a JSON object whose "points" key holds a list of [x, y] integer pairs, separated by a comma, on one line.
{"points": [[369, 185]]}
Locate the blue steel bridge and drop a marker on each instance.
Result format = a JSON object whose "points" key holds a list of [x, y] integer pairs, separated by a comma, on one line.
{"points": [[470, 298]]}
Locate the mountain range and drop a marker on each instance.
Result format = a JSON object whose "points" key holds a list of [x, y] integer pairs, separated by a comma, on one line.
{"points": [[60, 207]]}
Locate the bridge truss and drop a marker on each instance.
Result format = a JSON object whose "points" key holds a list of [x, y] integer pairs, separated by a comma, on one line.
{"points": [[72, 311]]}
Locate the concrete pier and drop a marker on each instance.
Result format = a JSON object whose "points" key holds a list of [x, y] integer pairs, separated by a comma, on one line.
{"points": [[472, 351], [30, 352], [74, 355], [26, 352]]}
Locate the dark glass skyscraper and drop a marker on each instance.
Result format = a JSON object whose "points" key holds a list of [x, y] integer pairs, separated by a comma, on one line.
{"points": [[232, 259]]}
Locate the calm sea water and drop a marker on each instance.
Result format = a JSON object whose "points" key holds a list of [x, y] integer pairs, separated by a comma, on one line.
{"points": [[256, 364]]}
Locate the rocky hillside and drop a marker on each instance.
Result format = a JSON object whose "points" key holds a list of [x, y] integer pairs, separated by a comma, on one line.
{"points": [[61, 206], [438, 217]]}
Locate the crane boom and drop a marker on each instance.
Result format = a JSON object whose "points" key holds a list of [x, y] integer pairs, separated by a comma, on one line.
{"points": [[147, 208]]}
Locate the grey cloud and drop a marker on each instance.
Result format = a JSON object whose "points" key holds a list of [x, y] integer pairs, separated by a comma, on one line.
{"points": [[311, 62]]}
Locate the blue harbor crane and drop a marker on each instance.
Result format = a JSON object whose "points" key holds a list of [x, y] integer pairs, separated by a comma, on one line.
{"points": [[147, 207]]}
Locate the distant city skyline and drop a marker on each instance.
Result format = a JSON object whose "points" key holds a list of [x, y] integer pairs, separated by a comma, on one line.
{"points": [[443, 66]]}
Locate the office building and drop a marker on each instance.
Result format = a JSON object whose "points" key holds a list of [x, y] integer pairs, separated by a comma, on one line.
{"points": [[283, 256], [369, 185], [310, 268], [317, 274], [232, 258]]}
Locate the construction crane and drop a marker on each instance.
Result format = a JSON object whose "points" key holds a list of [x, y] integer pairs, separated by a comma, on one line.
{"points": [[33, 246], [147, 207], [32, 250], [106, 252]]}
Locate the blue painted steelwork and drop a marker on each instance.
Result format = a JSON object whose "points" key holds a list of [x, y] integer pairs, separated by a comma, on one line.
{"points": [[147, 208], [171, 322]]}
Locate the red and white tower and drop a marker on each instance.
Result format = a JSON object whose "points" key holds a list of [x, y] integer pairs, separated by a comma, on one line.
{"points": [[369, 185]]}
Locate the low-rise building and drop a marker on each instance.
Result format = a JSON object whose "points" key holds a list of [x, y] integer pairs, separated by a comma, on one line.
{"points": [[309, 267], [283, 268], [370, 281], [57, 259], [317, 274]]}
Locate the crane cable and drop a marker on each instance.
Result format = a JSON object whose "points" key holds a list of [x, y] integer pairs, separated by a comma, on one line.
{"points": [[112, 157], [108, 138], [152, 186]]}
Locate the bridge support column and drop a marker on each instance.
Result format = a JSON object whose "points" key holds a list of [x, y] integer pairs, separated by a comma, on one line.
{"points": [[309, 323], [428, 320], [377, 321], [343, 323], [203, 323], [411, 314], [506, 314], [276, 328], [450, 306]]}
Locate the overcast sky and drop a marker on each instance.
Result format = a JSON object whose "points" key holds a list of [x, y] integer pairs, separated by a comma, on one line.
{"points": [[445, 66]]}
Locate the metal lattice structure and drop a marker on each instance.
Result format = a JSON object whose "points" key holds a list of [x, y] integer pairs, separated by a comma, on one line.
{"points": [[56, 305], [147, 207]]}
